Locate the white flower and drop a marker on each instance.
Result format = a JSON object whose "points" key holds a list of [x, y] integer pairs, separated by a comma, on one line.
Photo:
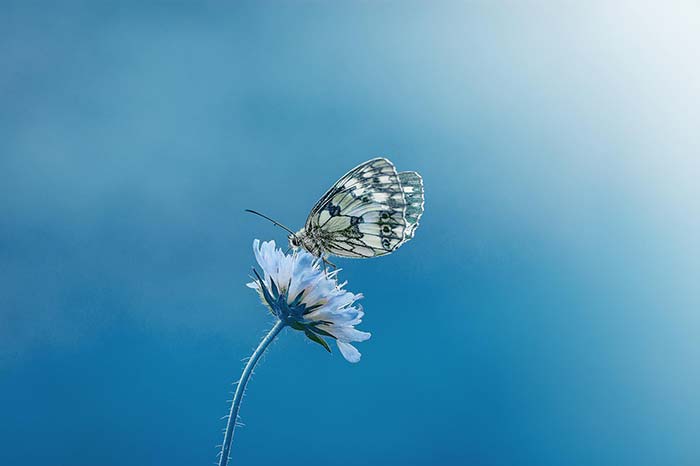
{"points": [[302, 295]]}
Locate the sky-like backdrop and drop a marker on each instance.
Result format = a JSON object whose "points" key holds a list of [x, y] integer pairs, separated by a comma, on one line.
{"points": [[546, 313]]}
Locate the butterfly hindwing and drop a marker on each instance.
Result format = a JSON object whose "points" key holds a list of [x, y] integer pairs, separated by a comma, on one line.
{"points": [[412, 186], [363, 214]]}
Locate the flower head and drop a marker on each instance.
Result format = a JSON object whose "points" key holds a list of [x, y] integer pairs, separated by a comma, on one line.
{"points": [[300, 293]]}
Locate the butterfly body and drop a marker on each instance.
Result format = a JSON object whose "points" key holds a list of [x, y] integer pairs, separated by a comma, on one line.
{"points": [[369, 212]]}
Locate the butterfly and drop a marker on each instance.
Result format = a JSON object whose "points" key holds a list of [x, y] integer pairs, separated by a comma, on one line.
{"points": [[370, 211]]}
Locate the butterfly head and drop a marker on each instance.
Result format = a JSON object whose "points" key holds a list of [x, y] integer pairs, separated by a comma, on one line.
{"points": [[302, 240], [294, 241]]}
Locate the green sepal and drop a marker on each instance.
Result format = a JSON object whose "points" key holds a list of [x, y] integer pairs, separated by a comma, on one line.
{"points": [[312, 308], [275, 290], [315, 329], [266, 294], [297, 326], [315, 338], [297, 301]]}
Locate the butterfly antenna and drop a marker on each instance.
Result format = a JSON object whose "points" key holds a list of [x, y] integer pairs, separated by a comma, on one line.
{"points": [[273, 221]]}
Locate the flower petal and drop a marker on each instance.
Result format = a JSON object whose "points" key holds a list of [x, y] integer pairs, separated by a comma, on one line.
{"points": [[345, 333], [349, 352]]}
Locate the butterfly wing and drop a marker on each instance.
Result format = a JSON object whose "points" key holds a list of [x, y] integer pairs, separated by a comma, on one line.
{"points": [[364, 213], [412, 186]]}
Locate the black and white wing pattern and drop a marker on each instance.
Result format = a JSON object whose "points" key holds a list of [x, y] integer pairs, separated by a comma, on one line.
{"points": [[412, 186], [369, 212]]}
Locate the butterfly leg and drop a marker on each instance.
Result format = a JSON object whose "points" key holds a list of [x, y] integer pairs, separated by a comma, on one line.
{"points": [[326, 263]]}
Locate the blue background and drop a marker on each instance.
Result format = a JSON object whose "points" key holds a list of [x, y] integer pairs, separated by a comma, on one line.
{"points": [[545, 314]]}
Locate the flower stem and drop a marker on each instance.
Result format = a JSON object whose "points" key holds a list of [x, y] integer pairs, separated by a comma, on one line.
{"points": [[245, 376]]}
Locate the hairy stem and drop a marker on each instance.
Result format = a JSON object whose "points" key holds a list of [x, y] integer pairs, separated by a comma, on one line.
{"points": [[245, 376]]}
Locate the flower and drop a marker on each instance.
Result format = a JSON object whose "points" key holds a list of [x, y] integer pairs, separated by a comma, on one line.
{"points": [[299, 292]]}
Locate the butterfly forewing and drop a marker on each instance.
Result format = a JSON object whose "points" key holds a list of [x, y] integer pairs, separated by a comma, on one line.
{"points": [[363, 213]]}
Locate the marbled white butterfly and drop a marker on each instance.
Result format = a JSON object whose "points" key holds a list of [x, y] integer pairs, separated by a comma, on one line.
{"points": [[369, 212]]}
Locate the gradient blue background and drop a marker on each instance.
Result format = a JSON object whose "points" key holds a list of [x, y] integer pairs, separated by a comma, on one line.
{"points": [[545, 314]]}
